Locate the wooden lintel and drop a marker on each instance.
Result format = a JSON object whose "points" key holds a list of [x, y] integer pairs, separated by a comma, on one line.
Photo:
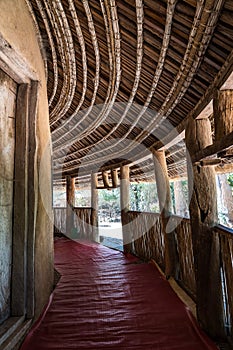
{"points": [[210, 162], [14, 65], [217, 147]]}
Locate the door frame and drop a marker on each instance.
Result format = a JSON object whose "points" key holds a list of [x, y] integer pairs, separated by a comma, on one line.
{"points": [[25, 196]]}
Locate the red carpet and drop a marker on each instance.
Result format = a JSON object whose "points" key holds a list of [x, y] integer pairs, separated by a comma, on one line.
{"points": [[107, 301]]}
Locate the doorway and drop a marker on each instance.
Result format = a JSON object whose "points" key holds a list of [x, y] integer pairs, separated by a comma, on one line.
{"points": [[109, 217]]}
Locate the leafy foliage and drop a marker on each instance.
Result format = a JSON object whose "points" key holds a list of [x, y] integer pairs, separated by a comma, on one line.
{"points": [[144, 197], [230, 180]]}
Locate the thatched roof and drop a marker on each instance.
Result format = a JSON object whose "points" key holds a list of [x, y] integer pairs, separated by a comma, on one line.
{"points": [[122, 74]]}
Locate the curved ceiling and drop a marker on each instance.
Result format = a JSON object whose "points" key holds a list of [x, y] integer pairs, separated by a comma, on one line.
{"points": [[123, 74]]}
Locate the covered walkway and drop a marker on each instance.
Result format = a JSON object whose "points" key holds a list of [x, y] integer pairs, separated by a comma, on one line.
{"points": [[106, 300]]}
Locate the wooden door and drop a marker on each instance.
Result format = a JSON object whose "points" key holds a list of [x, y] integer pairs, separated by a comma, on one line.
{"points": [[8, 90]]}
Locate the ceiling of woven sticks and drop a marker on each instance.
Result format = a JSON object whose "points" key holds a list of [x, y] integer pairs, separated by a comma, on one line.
{"points": [[123, 76]]}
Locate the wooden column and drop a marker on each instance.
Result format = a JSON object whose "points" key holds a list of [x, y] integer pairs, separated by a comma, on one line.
{"points": [[94, 207], [223, 122], [124, 191], [20, 211], [70, 203], [105, 179], [114, 176], [203, 216], [223, 113], [163, 188]]}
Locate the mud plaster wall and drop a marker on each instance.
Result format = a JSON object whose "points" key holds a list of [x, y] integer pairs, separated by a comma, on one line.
{"points": [[17, 28]]}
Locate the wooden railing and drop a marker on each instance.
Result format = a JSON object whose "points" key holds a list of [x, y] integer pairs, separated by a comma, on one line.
{"points": [[147, 238], [226, 256], [148, 243], [59, 220], [82, 222], [186, 272]]}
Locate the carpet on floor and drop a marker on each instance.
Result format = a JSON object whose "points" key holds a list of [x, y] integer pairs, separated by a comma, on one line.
{"points": [[106, 300]]}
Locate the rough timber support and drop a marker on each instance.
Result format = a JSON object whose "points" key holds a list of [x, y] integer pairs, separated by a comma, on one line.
{"points": [[203, 216], [163, 188], [124, 190], [70, 203], [94, 206], [223, 113]]}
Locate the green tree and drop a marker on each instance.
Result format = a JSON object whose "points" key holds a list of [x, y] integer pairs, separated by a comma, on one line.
{"points": [[230, 180], [143, 197]]}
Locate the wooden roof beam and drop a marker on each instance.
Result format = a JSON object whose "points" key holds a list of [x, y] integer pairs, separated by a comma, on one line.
{"points": [[218, 83]]}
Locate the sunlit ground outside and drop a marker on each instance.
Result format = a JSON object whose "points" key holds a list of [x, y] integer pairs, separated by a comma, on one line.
{"points": [[111, 234]]}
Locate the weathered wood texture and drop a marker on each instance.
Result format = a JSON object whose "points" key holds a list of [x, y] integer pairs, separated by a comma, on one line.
{"points": [[94, 206], [59, 220], [105, 178], [82, 222], [148, 243], [223, 113], [203, 216], [171, 72], [186, 272], [147, 235], [226, 244], [114, 175], [163, 188], [18, 304], [32, 198], [70, 200], [124, 199], [7, 144], [223, 144]]}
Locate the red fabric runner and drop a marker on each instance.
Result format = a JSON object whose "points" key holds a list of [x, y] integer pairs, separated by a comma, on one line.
{"points": [[105, 300]]}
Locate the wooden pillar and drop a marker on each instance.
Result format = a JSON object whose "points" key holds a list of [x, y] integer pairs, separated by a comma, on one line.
{"points": [[223, 113], [70, 203], [94, 207], [124, 193], [164, 195], [203, 216], [114, 176], [105, 179]]}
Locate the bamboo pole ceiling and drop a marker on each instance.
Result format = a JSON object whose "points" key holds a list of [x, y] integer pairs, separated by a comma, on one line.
{"points": [[122, 74]]}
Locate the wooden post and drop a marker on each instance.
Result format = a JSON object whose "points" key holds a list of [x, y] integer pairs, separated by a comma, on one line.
{"points": [[163, 188], [94, 207], [114, 176], [223, 113], [203, 216], [32, 198], [105, 179], [20, 214], [70, 203], [124, 191]]}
